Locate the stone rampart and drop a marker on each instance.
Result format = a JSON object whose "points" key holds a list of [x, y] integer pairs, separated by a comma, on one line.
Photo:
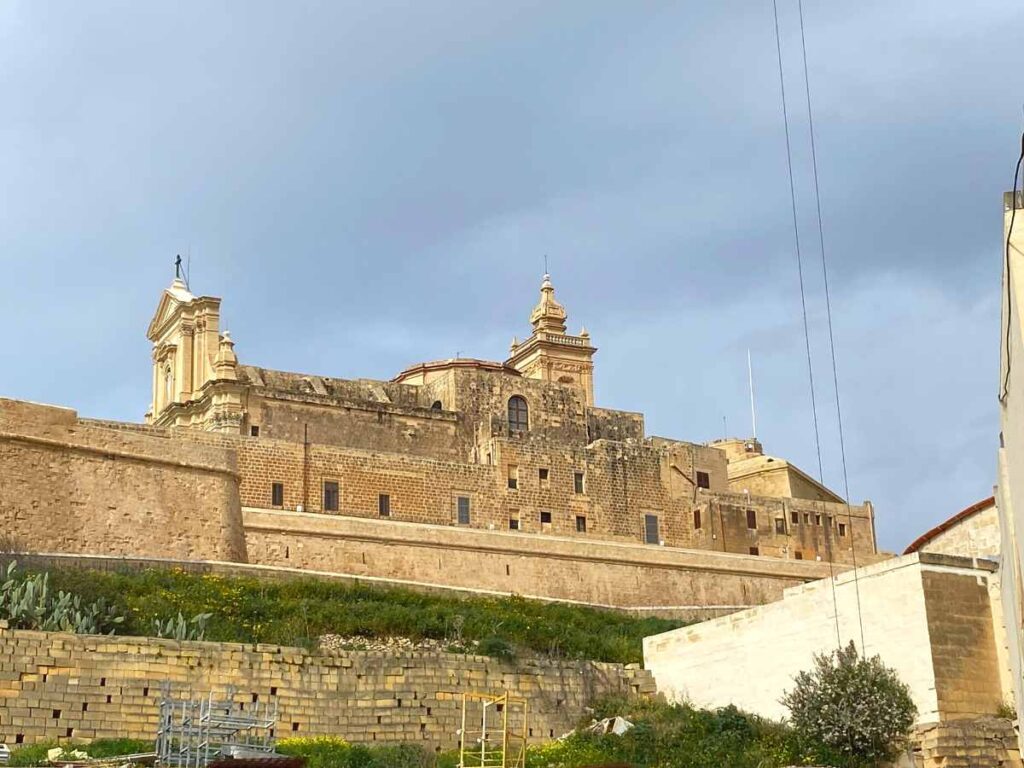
{"points": [[64, 686], [72, 486]]}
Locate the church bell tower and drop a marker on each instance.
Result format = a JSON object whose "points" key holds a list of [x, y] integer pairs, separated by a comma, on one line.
{"points": [[550, 354]]}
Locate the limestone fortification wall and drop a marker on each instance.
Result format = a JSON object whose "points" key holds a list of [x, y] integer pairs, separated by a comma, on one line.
{"points": [[83, 687], [73, 486], [683, 583], [69, 485]]}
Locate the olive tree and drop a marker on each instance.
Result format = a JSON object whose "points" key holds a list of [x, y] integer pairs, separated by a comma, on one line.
{"points": [[851, 711]]}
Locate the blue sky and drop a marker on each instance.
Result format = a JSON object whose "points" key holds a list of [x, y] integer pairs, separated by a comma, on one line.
{"points": [[369, 185]]}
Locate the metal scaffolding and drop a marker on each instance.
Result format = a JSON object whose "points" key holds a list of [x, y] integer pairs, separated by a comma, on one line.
{"points": [[192, 732], [494, 731]]}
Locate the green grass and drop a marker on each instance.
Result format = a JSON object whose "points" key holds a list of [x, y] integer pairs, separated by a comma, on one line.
{"points": [[35, 754], [297, 612]]}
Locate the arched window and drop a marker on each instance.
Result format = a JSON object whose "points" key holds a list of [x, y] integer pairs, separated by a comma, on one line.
{"points": [[518, 414], [437, 405]]}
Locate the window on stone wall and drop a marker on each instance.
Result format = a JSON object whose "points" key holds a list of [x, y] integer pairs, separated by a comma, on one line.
{"points": [[780, 526], [513, 523], [807, 518], [384, 505], [703, 480], [696, 518], [842, 529], [437, 406], [462, 510], [752, 519], [651, 533], [817, 519], [331, 496], [577, 482], [545, 518], [755, 551], [513, 477], [277, 494], [254, 431], [542, 475], [518, 415], [581, 524], [794, 517], [798, 555]]}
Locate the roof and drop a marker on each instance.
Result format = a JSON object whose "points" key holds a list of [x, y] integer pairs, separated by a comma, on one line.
{"points": [[759, 463], [942, 527], [456, 362]]}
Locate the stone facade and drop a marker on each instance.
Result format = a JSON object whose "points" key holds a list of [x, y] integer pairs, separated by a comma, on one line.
{"points": [[67, 485], [561, 499], [517, 445], [62, 686]]}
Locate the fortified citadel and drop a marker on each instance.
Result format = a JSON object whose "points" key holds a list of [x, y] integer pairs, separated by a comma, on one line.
{"points": [[500, 477]]}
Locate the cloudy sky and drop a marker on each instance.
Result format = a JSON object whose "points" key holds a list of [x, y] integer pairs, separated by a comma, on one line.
{"points": [[372, 184]]}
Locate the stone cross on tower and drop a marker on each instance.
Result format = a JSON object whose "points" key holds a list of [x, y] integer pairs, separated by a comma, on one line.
{"points": [[177, 267]]}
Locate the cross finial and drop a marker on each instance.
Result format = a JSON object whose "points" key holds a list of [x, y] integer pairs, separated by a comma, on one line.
{"points": [[177, 266], [546, 271]]}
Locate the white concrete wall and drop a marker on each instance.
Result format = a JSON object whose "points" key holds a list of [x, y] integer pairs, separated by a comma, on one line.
{"points": [[1010, 490], [750, 658]]}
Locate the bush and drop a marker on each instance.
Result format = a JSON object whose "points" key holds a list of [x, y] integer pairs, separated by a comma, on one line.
{"points": [[850, 711], [675, 735], [332, 752], [35, 754]]}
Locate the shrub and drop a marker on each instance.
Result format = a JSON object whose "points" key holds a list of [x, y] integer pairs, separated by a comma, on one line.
{"points": [[496, 647], [850, 711], [27, 602], [332, 752], [33, 754]]}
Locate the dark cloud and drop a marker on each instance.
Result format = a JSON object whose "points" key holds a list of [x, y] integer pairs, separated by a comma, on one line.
{"points": [[370, 184]]}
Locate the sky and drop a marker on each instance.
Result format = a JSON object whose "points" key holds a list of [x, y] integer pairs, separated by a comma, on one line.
{"points": [[372, 184]]}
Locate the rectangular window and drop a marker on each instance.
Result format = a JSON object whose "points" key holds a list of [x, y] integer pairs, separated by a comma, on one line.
{"points": [[842, 529], [651, 533], [331, 500], [545, 517], [696, 518], [463, 510], [384, 505], [254, 431], [817, 519], [577, 482], [752, 519], [780, 526], [755, 551], [799, 555], [794, 517], [277, 494], [542, 475], [807, 518], [513, 477], [703, 480], [581, 524], [513, 523]]}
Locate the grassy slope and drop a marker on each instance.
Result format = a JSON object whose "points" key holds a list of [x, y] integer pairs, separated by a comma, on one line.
{"points": [[296, 612]]}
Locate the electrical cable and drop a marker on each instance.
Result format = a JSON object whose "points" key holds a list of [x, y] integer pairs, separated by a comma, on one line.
{"points": [[803, 298], [831, 336]]}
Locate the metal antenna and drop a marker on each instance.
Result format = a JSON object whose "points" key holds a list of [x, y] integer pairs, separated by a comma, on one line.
{"points": [[753, 411], [546, 271]]}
